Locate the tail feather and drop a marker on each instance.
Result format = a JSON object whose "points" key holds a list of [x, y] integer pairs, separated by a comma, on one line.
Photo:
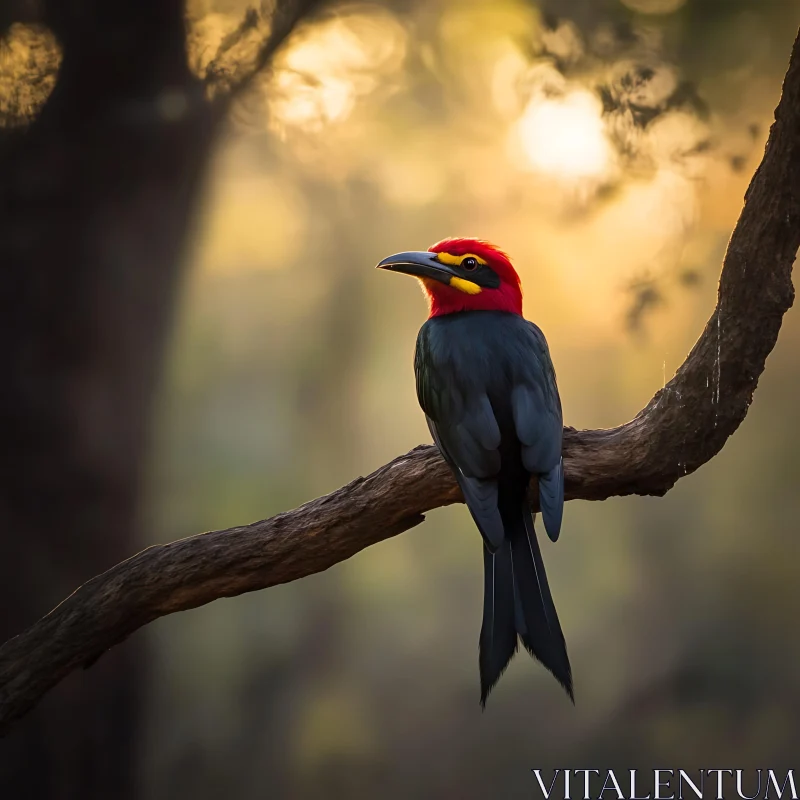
{"points": [[498, 640], [543, 639], [517, 601]]}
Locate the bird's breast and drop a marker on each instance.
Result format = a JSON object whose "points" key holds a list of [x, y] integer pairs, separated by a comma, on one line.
{"points": [[481, 351]]}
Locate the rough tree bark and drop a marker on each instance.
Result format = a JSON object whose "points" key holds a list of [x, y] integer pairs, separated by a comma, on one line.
{"points": [[682, 427], [96, 197]]}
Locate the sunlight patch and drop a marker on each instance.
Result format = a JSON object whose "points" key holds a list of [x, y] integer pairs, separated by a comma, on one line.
{"points": [[29, 62]]}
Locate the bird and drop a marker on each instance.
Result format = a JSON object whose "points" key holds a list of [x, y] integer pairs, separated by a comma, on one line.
{"points": [[487, 386]]}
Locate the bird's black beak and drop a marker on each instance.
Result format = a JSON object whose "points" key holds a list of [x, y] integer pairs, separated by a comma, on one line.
{"points": [[420, 264]]}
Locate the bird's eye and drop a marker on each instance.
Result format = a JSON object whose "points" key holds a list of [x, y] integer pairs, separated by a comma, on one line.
{"points": [[469, 264]]}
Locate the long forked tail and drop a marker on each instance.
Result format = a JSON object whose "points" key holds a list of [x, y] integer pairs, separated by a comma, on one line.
{"points": [[517, 602]]}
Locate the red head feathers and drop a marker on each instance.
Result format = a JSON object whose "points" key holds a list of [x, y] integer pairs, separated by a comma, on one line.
{"points": [[444, 299]]}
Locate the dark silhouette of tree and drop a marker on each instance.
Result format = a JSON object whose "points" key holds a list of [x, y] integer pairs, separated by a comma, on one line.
{"points": [[97, 194]]}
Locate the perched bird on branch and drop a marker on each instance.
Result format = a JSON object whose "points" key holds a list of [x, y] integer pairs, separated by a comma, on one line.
{"points": [[488, 389]]}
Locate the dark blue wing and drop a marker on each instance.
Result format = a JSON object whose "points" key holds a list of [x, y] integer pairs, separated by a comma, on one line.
{"points": [[465, 430], [551, 499], [536, 408], [479, 493]]}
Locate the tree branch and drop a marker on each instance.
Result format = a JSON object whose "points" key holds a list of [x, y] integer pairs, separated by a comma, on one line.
{"points": [[232, 72], [682, 427]]}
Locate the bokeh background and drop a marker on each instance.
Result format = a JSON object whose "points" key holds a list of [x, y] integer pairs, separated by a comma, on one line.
{"points": [[606, 145]]}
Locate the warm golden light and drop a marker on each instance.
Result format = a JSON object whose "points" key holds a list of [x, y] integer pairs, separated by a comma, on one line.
{"points": [[565, 136], [355, 113], [29, 61], [323, 74]]}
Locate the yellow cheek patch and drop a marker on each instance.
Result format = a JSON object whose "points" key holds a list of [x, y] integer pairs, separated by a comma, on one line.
{"points": [[468, 287], [455, 261]]}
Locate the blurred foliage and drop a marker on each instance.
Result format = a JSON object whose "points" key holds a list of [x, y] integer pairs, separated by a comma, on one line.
{"points": [[29, 61]]}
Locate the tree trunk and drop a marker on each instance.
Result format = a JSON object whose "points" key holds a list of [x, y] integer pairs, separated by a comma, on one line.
{"points": [[96, 197]]}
